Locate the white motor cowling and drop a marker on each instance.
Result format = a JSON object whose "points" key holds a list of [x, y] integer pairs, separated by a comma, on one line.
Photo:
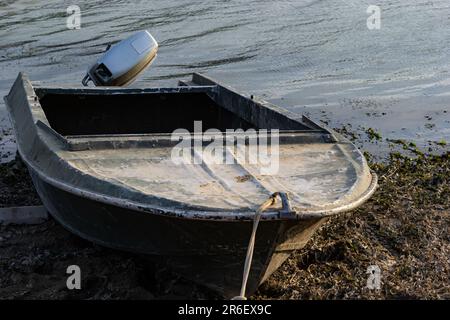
{"points": [[122, 63]]}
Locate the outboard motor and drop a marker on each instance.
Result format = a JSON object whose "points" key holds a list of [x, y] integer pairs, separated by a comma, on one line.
{"points": [[122, 63]]}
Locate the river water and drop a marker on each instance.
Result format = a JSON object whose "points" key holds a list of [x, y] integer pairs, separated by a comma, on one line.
{"points": [[316, 57]]}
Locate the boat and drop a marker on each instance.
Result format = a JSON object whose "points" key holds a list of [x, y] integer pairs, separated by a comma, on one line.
{"points": [[101, 160]]}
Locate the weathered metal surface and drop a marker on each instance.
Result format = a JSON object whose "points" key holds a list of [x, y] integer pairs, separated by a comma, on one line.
{"points": [[313, 175], [123, 190]]}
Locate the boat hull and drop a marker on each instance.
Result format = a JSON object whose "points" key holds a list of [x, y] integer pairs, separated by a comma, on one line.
{"points": [[211, 253]]}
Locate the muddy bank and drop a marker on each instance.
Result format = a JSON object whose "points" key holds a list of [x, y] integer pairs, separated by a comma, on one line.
{"points": [[403, 229], [16, 188]]}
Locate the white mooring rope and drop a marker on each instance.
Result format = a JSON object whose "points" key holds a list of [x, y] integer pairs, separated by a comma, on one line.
{"points": [[248, 259]]}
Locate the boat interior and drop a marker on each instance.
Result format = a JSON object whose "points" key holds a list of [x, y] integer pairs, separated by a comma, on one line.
{"points": [[136, 114], [94, 118]]}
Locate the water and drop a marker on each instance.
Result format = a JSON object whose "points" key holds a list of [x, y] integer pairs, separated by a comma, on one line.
{"points": [[316, 57]]}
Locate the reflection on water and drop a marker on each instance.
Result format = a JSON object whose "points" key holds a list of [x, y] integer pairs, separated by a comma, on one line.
{"points": [[308, 55]]}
